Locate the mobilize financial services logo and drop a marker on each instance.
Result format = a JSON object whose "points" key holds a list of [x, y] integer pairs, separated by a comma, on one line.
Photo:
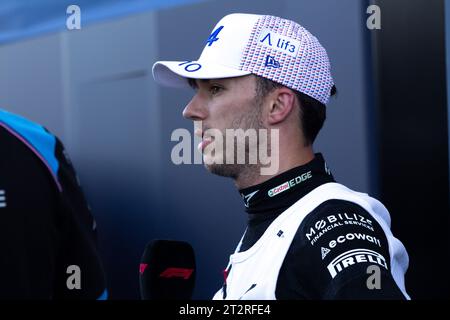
{"points": [[322, 226], [353, 257]]}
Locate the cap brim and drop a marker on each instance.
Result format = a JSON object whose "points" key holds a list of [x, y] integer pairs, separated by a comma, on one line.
{"points": [[176, 73]]}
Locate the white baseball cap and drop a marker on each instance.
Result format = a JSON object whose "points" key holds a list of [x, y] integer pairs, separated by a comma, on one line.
{"points": [[271, 47]]}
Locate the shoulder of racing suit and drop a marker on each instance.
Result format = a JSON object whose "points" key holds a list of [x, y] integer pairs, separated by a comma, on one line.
{"points": [[341, 251]]}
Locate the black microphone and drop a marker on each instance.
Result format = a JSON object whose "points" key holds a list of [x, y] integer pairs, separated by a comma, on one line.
{"points": [[167, 271]]}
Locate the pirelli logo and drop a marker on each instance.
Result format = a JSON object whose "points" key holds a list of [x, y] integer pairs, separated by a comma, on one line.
{"points": [[353, 257], [2, 199]]}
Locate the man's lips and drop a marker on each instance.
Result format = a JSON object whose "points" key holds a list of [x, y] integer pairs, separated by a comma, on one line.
{"points": [[202, 145], [205, 140]]}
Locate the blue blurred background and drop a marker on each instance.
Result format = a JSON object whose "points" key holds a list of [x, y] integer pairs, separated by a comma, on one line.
{"points": [[93, 88]]}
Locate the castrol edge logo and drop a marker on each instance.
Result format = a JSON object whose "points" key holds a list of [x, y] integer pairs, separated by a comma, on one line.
{"points": [[289, 184]]}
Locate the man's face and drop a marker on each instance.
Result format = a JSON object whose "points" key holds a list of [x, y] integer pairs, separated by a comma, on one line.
{"points": [[222, 104]]}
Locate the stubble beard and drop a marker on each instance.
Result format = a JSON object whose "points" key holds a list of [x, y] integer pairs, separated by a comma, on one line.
{"points": [[238, 171]]}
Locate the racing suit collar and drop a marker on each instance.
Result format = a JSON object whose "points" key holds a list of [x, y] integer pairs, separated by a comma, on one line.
{"points": [[280, 192]]}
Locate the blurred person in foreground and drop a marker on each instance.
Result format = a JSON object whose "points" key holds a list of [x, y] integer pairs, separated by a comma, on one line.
{"points": [[48, 237]]}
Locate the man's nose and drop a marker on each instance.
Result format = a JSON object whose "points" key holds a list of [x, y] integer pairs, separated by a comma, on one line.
{"points": [[195, 109]]}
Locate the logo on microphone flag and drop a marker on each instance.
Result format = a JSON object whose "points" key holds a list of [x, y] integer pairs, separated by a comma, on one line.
{"points": [[177, 273], [142, 267]]}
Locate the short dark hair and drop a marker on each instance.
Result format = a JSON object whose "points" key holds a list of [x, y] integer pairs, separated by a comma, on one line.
{"points": [[312, 112]]}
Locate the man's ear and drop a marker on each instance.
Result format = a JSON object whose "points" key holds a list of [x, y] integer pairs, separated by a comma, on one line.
{"points": [[282, 103]]}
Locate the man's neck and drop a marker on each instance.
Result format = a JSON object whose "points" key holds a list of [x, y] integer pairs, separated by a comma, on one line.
{"points": [[251, 176]]}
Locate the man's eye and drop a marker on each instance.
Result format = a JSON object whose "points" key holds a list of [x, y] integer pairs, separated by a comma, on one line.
{"points": [[215, 89]]}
